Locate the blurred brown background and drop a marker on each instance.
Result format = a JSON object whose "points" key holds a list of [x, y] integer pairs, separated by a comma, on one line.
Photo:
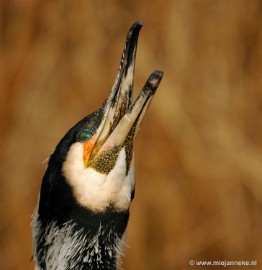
{"points": [[199, 154]]}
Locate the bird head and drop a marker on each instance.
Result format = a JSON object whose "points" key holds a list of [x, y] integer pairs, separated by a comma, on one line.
{"points": [[98, 160]]}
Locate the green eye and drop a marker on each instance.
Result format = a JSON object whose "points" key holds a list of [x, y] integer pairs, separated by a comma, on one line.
{"points": [[84, 135]]}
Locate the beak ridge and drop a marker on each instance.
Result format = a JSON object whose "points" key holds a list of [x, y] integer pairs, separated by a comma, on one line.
{"points": [[123, 85]]}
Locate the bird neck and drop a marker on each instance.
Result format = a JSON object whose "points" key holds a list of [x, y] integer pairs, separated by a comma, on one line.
{"points": [[72, 247], [67, 235]]}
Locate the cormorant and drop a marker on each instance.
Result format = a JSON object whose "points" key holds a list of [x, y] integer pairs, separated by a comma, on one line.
{"points": [[83, 206]]}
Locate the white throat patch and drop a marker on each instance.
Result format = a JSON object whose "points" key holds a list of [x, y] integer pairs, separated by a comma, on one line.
{"points": [[97, 191]]}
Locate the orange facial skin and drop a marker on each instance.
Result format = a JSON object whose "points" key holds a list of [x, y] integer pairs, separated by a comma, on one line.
{"points": [[88, 147]]}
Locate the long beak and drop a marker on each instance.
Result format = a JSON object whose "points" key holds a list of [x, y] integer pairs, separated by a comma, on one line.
{"points": [[122, 120]]}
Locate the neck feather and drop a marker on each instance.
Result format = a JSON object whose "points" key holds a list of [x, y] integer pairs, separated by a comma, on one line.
{"points": [[71, 247]]}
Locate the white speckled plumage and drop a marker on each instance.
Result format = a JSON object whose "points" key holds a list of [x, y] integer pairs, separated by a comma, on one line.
{"points": [[66, 242]]}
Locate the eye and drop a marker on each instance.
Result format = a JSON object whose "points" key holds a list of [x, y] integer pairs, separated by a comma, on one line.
{"points": [[84, 135]]}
